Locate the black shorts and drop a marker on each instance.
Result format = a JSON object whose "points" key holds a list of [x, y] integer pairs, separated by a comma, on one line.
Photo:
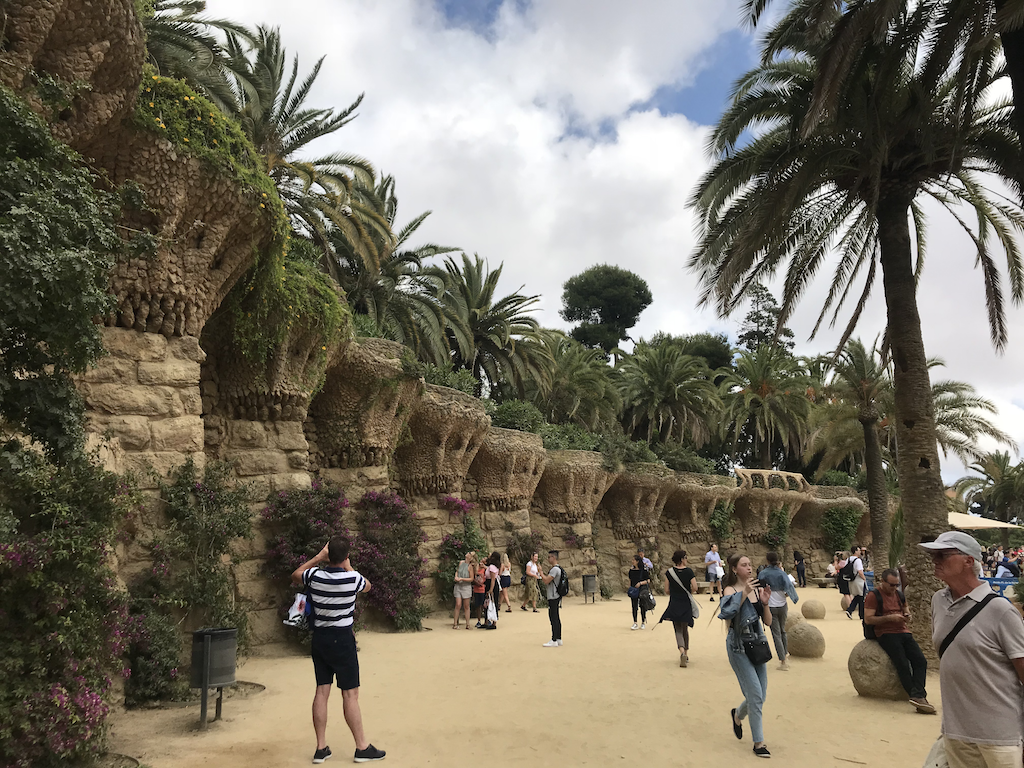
{"points": [[334, 654], [478, 598], [506, 582]]}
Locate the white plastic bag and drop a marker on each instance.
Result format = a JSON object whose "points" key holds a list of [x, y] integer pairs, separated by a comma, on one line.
{"points": [[492, 612], [937, 755], [296, 614]]}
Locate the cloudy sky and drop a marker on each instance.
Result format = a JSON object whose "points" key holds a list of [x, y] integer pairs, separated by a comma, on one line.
{"points": [[557, 134]]}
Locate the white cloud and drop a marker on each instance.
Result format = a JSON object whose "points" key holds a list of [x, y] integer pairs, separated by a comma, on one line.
{"points": [[525, 145]]}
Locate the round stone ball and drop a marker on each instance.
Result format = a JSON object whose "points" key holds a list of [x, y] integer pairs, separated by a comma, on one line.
{"points": [[813, 609], [805, 641], [873, 674]]}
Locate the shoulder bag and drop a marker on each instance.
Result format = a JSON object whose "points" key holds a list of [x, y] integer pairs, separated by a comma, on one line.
{"points": [[967, 618], [647, 599], [757, 648], [694, 607]]}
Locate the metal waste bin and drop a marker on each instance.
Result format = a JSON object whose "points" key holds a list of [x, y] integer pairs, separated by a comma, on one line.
{"points": [[213, 665], [590, 587]]}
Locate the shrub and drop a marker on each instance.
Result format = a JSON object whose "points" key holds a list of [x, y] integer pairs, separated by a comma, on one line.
{"points": [[835, 477], [154, 656], [302, 521], [617, 449], [568, 437], [442, 376], [64, 619], [682, 458], [387, 553], [839, 526], [521, 546], [574, 541], [454, 547], [778, 528], [721, 520], [456, 507], [515, 414]]}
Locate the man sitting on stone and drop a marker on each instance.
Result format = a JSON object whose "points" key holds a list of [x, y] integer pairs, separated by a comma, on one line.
{"points": [[889, 621]]}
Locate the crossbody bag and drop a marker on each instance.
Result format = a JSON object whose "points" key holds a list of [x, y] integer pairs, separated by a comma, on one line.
{"points": [[967, 618], [694, 608]]}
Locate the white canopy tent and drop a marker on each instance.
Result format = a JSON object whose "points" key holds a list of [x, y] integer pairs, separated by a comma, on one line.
{"points": [[975, 523]]}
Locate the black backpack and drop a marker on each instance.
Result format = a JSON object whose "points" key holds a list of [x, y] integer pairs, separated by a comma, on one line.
{"points": [[847, 571], [563, 582], [869, 630]]}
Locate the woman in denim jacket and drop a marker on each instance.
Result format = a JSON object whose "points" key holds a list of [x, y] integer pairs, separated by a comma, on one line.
{"points": [[745, 607]]}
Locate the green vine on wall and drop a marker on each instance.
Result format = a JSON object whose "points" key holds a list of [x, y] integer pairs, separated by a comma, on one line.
{"points": [[839, 526], [778, 528], [721, 521]]}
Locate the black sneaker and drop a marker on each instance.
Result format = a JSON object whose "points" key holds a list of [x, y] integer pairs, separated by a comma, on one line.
{"points": [[369, 754], [320, 755], [712, 598], [762, 751]]}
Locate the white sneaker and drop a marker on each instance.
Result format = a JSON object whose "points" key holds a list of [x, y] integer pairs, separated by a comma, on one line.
{"points": [[559, 643], [552, 643], [643, 626], [634, 626]]}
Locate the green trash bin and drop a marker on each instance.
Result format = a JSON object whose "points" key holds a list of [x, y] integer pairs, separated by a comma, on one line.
{"points": [[214, 651]]}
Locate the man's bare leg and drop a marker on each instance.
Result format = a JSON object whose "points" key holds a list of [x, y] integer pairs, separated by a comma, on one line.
{"points": [[354, 718], [323, 692]]}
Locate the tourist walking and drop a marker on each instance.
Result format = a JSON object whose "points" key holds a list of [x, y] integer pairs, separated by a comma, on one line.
{"points": [[782, 587], [551, 581], [712, 566], [885, 620], [854, 569], [333, 584], [680, 584], [479, 590], [639, 580], [530, 582], [745, 607], [463, 590], [801, 568], [505, 581], [492, 590], [980, 641]]}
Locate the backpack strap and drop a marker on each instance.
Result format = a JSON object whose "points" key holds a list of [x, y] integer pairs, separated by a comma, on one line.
{"points": [[967, 618], [878, 601]]}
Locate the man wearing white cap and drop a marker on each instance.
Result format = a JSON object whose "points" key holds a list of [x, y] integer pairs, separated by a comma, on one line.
{"points": [[980, 639]]}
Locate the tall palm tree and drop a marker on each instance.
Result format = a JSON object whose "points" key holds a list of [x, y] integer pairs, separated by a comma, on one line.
{"points": [[333, 190], [579, 386], [667, 395], [851, 185], [400, 297], [497, 339], [182, 43], [766, 394], [997, 488]]}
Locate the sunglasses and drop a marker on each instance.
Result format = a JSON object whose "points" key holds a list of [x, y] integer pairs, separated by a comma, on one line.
{"points": [[942, 554]]}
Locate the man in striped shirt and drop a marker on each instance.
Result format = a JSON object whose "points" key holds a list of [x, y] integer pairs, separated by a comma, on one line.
{"points": [[332, 585]]}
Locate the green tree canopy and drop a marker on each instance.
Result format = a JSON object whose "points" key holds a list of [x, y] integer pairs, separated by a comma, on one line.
{"points": [[714, 348], [761, 325], [606, 301]]}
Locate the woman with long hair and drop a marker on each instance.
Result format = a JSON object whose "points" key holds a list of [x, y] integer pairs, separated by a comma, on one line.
{"points": [[463, 591], [639, 579], [801, 568], [505, 580], [492, 588], [744, 608], [680, 583]]}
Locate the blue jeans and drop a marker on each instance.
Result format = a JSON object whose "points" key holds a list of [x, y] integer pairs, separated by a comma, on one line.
{"points": [[753, 682]]}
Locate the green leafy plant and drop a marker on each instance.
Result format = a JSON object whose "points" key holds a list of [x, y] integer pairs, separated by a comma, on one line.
{"points": [[568, 437], [778, 528], [617, 450], [522, 545], [515, 414], [682, 458], [836, 477], [443, 376], [299, 523], [154, 656], [839, 526], [387, 553], [721, 521], [454, 547], [65, 623]]}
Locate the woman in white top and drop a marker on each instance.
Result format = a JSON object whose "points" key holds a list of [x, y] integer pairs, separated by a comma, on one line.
{"points": [[463, 591], [505, 580], [530, 585]]}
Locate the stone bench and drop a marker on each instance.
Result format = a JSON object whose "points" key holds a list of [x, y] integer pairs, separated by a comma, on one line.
{"points": [[824, 583], [703, 586]]}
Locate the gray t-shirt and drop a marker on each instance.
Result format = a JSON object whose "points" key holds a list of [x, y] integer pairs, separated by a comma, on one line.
{"points": [[982, 697], [552, 589]]}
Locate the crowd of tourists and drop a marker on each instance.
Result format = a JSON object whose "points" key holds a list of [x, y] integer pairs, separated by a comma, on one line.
{"points": [[979, 637]]}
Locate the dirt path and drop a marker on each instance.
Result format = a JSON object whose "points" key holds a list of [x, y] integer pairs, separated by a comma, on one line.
{"points": [[609, 696]]}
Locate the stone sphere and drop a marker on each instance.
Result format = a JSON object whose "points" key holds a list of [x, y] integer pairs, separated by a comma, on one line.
{"points": [[805, 641], [872, 672], [793, 618], [813, 609]]}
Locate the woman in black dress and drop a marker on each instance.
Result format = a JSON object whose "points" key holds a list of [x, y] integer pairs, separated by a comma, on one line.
{"points": [[639, 578], [680, 583], [801, 569]]}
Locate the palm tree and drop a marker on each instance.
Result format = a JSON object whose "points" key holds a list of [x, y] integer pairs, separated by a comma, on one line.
{"points": [[766, 393], [578, 387], [496, 339], [667, 395], [850, 185], [400, 297], [182, 43], [334, 190], [997, 489]]}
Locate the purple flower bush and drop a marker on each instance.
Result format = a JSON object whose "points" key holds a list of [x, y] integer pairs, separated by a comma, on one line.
{"points": [[387, 553], [454, 547], [65, 623], [456, 507], [301, 523]]}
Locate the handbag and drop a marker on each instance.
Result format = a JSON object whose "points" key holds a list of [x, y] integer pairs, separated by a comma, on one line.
{"points": [[647, 599], [694, 607], [757, 648], [633, 592]]}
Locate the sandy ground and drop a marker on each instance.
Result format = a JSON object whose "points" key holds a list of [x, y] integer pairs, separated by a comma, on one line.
{"points": [[608, 697]]}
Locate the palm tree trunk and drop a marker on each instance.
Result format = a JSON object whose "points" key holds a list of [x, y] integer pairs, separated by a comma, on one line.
{"points": [[1013, 52], [878, 496], [921, 488]]}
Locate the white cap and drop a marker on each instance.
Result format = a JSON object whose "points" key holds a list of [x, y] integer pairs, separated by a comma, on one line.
{"points": [[957, 540]]}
